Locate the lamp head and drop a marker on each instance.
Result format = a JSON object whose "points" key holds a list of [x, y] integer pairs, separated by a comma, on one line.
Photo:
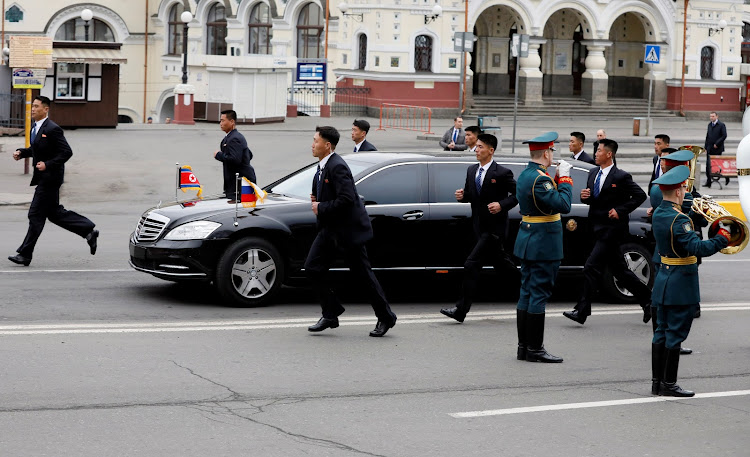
{"points": [[437, 10], [343, 7], [87, 15], [722, 24], [186, 16]]}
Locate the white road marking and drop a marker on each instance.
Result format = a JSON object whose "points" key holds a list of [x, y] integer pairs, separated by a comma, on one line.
{"points": [[593, 404], [299, 322], [27, 270]]}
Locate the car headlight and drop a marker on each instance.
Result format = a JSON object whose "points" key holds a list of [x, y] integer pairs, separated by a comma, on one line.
{"points": [[192, 231]]}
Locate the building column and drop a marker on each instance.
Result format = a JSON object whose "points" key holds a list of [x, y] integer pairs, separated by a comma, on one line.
{"points": [[530, 79], [658, 72], [594, 81]]}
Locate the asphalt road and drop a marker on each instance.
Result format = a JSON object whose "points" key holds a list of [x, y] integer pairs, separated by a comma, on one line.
{"points": [[101, 360]]}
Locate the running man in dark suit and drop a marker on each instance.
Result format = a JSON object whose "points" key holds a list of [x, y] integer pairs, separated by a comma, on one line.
{"points": [[360, 129], [661, 142], [491, 190], [49, 150], [234, 154], [344, 223], [575, 146], [611, 195]]}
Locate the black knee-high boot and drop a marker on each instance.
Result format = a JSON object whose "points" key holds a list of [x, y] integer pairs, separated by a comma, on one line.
{"points": [[521, 328], [657, 367], [535, 351], [669, 387]]}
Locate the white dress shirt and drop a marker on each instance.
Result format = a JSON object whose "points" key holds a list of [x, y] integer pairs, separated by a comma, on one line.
{"points": [[38, 126], [484, 167], [604, 172], [358, 145]]}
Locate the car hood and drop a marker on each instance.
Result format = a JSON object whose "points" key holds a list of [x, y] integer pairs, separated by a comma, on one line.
{"points": [[195, 210]]}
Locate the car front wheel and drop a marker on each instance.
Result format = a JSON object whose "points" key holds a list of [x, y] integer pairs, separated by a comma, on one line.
{"points": [[638, 260], [249, 272]]}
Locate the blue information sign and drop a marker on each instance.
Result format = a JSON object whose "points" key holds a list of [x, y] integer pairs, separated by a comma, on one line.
{"points": [[653, 53], [313, 72]]}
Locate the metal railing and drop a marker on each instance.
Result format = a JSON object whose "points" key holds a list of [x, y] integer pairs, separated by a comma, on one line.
{"points": [[345, 101], [12, 110], [405, 117]]}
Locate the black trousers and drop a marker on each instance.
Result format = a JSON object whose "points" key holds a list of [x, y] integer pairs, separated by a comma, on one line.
{"points": [[46, 205], [606, 253], [488, 251], [319, 260]]}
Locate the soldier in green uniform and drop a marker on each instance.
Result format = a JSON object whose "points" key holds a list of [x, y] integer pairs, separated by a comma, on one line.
{"points": [[539, 243], [676, 290]]}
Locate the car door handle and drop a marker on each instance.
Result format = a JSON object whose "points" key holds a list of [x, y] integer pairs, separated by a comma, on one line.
{"points": [[413, 215]]}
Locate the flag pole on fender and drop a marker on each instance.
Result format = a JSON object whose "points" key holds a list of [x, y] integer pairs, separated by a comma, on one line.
{"points": [[177, 184], [236, 197]]}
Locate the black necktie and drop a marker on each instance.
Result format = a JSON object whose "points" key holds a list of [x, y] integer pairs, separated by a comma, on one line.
{"points": [[317, 183], [596, 184], [33, 133]]}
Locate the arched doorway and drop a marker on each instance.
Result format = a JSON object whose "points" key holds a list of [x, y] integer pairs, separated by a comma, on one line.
{"points": [[564, 55], [491, 62], [625, 65]]}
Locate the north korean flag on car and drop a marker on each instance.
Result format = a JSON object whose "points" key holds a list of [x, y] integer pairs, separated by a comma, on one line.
{"points": [[251, 194], [188, 179]]}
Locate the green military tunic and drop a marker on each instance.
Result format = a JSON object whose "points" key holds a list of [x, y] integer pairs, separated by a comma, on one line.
{"points": [[676, 291], [539, 243]]}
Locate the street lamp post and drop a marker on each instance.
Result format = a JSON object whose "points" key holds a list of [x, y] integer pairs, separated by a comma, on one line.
{"points": [[185, 17], [86, 15]]}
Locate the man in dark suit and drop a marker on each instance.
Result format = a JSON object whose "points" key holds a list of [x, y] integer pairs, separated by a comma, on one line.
{"points": [[342, 222], [49, 150], [454, 138], [360, 129], [234, 154], [575, 146], [601, 134], [471, 134], [491, 190], [661, 142], [611, 195], [715, 137]]}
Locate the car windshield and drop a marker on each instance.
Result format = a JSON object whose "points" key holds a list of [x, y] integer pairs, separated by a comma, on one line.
{"points": [[299, 184]]}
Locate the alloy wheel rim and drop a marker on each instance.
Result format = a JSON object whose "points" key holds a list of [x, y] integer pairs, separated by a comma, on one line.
{"points": [[638, 264], [253, 273]]}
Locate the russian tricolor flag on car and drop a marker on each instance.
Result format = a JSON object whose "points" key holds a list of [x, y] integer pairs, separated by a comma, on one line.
{"points": [[251, 194], [188, 179]]}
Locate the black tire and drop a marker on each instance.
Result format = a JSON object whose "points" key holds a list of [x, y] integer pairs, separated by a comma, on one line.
{"points": [[249, 273], [638, 259]]}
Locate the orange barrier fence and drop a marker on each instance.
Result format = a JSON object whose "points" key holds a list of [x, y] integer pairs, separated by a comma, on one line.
{"points": [[405, 117]]}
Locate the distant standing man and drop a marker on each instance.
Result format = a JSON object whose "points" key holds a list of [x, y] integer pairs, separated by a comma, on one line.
{"points": [[575, 146], [472, 133], [715, 137], [49, 151], [600, 135], [676, 287], [360, 129], [342, 222], [491, 190], [539, 243], [661, 142], [234, 154], [611, 195], [454, 138]]}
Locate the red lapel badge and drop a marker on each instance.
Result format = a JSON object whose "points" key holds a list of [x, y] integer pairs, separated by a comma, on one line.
{"points": [[326, 180], [44, 135], [493, 181], [614, 185]]}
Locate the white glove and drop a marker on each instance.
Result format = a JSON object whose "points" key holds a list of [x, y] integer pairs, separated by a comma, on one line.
{"points": [[563, 168]]}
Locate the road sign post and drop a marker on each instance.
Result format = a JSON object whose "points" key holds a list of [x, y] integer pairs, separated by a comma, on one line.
{"points": [[519, 49], [463, 42], [652, 56]]}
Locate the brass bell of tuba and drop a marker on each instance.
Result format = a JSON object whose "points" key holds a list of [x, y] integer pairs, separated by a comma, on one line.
{"points": [[718, 217], [696, 150]]}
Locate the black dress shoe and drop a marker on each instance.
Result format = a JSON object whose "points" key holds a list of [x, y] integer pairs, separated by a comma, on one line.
{"points": [[382, 327], [454, 313], [646, 313], [91, 240], [707, 185], [726, 183], [575, 316], [19, 259], [671, 389], [685, 351], [323, 324], [697, 313]]}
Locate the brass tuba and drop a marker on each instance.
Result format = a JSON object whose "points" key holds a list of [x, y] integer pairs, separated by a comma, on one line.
{"points": [[717, 216], [696, 150]]}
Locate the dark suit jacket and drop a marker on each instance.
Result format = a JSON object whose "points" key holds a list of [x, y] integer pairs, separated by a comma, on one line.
{"points": [[448, 137], [653, 174], [618, 192], [236, 156], [499, 186], [367, 146], [584, 157], [341, 213], [50, 147], [715, 135]]}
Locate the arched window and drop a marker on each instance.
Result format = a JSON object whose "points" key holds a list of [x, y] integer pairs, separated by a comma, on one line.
{"points": [[176, 29], [362, 52], [216, 31], [707, 62], [423, 53], [75, 30], [310, 32], [260, 29]]}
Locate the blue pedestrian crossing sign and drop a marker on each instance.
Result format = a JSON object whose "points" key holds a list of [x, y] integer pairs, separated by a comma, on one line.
{"points": [[653, 53]]}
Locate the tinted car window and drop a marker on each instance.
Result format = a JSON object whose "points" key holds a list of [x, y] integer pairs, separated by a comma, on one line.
{"points": [[300, 183], [393, 185], [446, 178]]}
